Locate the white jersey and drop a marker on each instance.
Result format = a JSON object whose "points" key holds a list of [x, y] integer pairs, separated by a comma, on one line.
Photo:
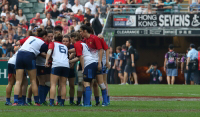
{"points": [[32, 44], [12, 60], [88, 59], [60, 55]]}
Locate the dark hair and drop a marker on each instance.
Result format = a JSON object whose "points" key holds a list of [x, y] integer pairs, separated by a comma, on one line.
{"points": [[48, 13], [18, 12], [15, 11], [89, 9], [49, 31], [130, 41], [40, 32], [86, 20], [119, 48], [76, 36], [198, 48], [58, 28], [171, 46], [192, 45], [30, 33], [123, 46], [154, 64], [66, 36], [87, 28], [5, 31], [58, 37]]}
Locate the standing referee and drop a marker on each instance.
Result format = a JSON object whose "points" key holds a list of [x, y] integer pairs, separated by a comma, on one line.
{"points": [[130, 65]]}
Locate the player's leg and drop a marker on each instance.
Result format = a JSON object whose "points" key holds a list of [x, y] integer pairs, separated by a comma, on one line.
{"points": [[24, 90], [11, 82], [96, 92], [47, 86], [88, 92], [62, 83], [29, 101], [58, 94], [108, 90], [120, 75], [71, 91], [53, 81], [80, 87], [41, 79]]}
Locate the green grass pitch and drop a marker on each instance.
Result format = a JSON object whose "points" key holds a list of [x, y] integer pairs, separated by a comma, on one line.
{"points": [[127, 100]]}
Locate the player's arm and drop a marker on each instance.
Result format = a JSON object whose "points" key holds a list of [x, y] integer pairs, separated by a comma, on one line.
{"points": [[72, 55], [72, 50], [49, 52], [43, 54], [74, 60]]}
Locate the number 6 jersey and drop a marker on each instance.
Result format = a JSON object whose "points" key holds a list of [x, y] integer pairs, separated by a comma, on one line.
{"points": [[59, 55]]}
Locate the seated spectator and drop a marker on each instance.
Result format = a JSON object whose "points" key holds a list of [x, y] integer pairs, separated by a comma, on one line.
{"points": [[60, 17], [76, 24], [79, 15], [64, 26], [49, 7], [65, 2], [155, 74], [160, 7], [66, 11], [4, 35], [121, 1], [176, 7], [97, 16], [49, 24], [140, 10], [4, 49], [85, 21], [71, 29], [48, 17], [20, 16], [37, 19], [10, 46], [149, 10], [195, 6], [15, 9], [42, 26], [83, 2], [1, 27], [70, 20], [92, 6], [6, 9], [23, 1], [54, 13], [8, 15], [14, 21], [23, 29], [10, 29], [77, 7], [32, 27], [103, 9], [19, 35], [167, 6], [23, 24], [88, 15], [117, 8]]}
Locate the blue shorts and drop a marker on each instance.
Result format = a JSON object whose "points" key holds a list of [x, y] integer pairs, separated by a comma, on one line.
{"points": [[25, 60], [90, 72], [41, 70], [60, 71], [172, 72], [99, 72], [48, 70], [71, 73], [11, 69]]}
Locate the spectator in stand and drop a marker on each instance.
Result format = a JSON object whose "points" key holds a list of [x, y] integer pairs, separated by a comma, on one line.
{"points": [[48, 17], [10, 46], [32, 27], [103, 9], [92, 6], [167, 6], [79, 15], [64, 26], [149, 10], [49, 7], [23, 24], [42, 26], [77, 7], [176, 7], [117, 8], [4, 49], [76, 25], [195, 6], [160, 7], [4, 35], [19, 35], [23, 29], [85, 21], [14, 21], [23, 1], [109, 1], [140, 10], [71, 29], [121, 1], [20, 16], [155, 74], [60, 17], [49, 25], [65, 2], [37, 19], [5, 10], [66, 11], [88, 15], [97, 16], [10, 29], [8, 14], [54, 13], [70, 20], [15, 9], [1, 27]]}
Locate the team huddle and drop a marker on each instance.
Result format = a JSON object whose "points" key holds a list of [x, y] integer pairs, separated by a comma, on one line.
{"points": [[49, 58]]}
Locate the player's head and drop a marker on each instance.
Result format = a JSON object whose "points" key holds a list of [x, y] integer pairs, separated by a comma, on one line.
{"points": [[124, 47], [171, 47], [58, 37], [41, 33], [58, 29], [49, 35], [75, 36], [85, 30], [155, 65], [118, 49], [128, 43], [66, 40]]}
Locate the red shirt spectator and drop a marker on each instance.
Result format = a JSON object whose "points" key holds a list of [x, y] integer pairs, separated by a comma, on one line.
{"points": [[37, 19], [25, 27], [80, 17], [121, 1], [49, 8]]}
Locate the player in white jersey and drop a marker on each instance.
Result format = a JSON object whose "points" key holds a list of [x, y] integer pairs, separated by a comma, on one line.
{"points": [[26, 57], [11, 81], [60, 67], [89, 66]]}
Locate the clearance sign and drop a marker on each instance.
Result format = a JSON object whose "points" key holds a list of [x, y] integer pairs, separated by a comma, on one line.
{"points": [[158, 20]]}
